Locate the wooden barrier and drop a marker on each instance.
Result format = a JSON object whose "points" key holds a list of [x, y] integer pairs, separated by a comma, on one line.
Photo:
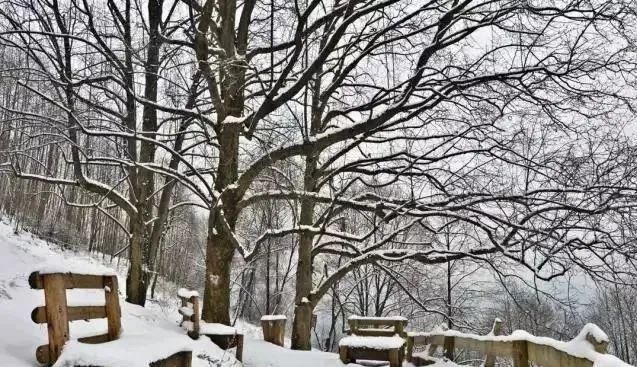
{"points": [[56, 314], [521, 351], [190, 313], [273, 327], [191, 318]]}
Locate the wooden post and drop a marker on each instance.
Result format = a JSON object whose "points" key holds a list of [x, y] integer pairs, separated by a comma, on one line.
{"points": [[273, 329], [394, 358], [195, 317], [449, 346], [342, 353], [56, 314], [495, 330], [113, 312], [239, 353], [520, 354], [410, 348]]}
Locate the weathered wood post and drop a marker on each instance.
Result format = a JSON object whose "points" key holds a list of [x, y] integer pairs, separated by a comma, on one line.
{"points": [[196, 318], [520, 354], [56, 314], [113, 312], [495, 330], [410, 348], [449, 347], [273, 328]]}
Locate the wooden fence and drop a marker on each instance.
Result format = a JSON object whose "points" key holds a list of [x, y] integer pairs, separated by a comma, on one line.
{"points": [[189, 311], [56, 314], [522, 351]]}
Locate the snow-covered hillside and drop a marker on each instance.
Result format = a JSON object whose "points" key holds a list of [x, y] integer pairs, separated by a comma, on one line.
{"points": [[22, 254]]}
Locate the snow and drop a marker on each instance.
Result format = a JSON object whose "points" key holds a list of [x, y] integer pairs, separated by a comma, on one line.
{"points": [[148, 333], [372, 342], [372, 319], [216, 329], [273, 317], [591, 329], [186, 311], [77, 268], [185, 293], [233, 120], [127, 351]]}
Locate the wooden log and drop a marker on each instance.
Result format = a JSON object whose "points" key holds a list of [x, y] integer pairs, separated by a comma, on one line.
{"points": [[113, 311], [42, 355], [71, 281], [95, 339], [38, 315], [56, 314], [489, 361]]}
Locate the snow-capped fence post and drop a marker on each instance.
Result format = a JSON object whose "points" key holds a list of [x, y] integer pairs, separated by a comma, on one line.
{"points": [[190, 314], [273, 328], [599, 344], [496, 330], [448, 347]]}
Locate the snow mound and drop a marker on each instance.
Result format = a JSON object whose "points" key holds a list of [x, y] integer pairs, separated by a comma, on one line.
{"points": [[127, 351], [185, 293]]}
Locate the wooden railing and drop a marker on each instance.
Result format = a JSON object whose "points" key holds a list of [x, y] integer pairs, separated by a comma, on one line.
{"points": [[522, 349], [57, 314], [189, 311]]}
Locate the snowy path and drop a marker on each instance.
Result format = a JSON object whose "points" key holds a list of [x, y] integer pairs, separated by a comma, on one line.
{"points": [[21, 254]]}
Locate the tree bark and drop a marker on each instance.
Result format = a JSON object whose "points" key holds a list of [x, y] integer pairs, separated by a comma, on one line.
{"points": [[301, 328]]}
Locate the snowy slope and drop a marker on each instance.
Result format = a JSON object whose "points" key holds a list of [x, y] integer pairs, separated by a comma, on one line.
{"points": [[21, 254]]}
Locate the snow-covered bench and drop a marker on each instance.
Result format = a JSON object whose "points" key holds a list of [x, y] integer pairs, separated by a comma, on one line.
{"points": [[102, 350], [374, 338], [223, 335]]}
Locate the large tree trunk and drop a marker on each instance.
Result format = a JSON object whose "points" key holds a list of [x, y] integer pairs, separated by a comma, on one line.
{"points": [[220, 248], [142, 249], [137, 278], [219, 253], [301, 329]]}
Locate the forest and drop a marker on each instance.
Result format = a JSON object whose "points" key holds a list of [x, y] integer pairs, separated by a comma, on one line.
{"points": [[448, 161]]}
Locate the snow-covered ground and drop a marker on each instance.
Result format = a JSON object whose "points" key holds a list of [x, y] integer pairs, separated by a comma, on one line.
{"points": [[19, 337]]}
